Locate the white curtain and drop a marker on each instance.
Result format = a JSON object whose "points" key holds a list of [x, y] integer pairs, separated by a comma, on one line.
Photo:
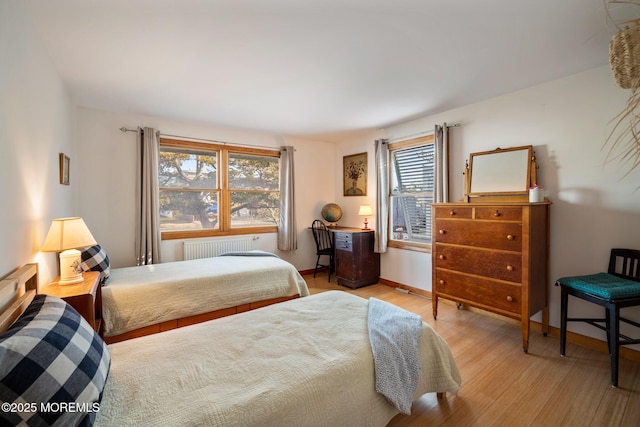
{"points": [[441, 190], [382, 195], [147, 241], [287, 231]]}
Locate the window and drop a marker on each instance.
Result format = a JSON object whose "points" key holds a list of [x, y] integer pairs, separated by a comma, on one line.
{"points": [[209, 189], [412, 190]]}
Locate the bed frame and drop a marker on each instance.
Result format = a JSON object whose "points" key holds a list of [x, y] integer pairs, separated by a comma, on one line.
{"points": [[17, 290], [192, 320]]}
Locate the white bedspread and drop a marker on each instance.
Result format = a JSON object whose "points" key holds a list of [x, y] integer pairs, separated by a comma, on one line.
{"points": [[305, 362], [135, 297]]}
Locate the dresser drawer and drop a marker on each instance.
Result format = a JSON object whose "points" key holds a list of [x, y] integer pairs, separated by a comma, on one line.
{"points": [[462, 212], [492, 264], [494, 235], [343, 241], [500, 213], [484, 292]]}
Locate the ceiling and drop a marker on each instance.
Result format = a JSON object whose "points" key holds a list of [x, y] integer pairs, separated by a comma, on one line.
{"points": [[314, 67]]}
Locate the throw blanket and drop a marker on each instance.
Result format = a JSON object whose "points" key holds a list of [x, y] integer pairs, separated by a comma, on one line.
{"points": [[255, 252], [395, 336]]}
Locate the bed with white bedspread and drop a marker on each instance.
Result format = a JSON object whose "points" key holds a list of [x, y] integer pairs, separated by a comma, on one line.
{"points": [[145, 299], [305, 362]]}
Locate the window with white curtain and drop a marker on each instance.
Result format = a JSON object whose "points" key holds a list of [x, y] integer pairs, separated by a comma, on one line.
{"points": [[412, 177]]}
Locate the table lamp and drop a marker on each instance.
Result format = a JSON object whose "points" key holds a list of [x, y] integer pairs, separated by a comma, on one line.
{"points": [[67, 235], [365, 210]]}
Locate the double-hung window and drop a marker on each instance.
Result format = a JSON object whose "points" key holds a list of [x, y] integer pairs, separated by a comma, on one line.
{"points": [[211, 189], [412, 178]]}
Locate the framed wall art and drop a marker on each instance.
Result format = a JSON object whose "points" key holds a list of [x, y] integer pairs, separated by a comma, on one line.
{"points": [[354, 174], [64, 169]]}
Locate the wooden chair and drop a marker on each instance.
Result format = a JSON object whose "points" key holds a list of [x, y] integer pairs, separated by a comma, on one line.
{"points": [[616, 289], [324, 246]]}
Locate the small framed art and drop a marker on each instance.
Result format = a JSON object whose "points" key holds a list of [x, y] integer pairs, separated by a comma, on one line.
{"points": [[64, 169], [355, 174]]}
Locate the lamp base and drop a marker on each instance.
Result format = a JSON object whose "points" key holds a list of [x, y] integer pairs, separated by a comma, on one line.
{"points": [[366, 225], [70, 270]]}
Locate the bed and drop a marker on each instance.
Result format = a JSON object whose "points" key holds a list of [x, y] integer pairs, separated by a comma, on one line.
{"points": [[143, 300], [307, 361]]}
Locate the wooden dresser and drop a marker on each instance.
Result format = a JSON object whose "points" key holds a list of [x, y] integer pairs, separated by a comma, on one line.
{"points": [[493, 256], [356, 263]]}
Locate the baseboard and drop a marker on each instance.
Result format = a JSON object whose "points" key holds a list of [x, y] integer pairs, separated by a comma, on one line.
{"points": [[572, 337]]}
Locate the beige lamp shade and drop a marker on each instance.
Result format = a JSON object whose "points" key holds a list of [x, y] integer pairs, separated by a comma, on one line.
{"points": [[67, 235], [365, 210]]}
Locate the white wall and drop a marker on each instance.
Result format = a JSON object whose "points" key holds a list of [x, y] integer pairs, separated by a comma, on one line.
{"points": [[107, 187], [567, 121], [36, 124]]}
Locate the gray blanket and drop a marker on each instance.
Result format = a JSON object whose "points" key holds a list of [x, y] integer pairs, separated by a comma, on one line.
{"points": [[395, 336], [255, 252]]}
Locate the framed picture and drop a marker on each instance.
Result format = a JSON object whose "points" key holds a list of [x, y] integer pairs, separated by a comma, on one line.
{"points": [[354, 174], [64, 169]]}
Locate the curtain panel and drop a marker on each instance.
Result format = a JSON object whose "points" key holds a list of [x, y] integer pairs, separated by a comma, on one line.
{"points": [[382, 195], [147, 238], [287, 231], [441, 184]]}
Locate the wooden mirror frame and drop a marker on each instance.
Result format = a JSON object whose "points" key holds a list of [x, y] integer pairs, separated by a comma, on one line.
{"points": [[501, 172]]}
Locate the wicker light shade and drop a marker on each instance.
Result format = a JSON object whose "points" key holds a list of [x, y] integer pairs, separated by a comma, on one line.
{"points": [[624, 57]]}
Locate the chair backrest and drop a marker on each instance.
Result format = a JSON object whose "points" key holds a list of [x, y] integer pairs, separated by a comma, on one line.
{"points": [[321, 235], [625, 263]]}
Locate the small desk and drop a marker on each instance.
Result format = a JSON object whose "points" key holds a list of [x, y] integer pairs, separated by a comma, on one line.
{"points": [[85, 297], [356, 263]]}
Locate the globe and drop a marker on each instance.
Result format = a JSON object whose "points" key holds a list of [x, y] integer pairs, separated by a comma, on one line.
{"points": [[331, 212]]}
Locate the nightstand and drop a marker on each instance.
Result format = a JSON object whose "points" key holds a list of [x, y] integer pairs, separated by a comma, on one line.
{"points": [[85, 297]]}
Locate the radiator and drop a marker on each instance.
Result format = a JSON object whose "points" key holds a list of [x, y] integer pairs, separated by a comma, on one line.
{"points": [[211, 248]]}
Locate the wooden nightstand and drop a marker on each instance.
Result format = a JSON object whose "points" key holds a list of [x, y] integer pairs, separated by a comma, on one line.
{"points": [[85, 297]]}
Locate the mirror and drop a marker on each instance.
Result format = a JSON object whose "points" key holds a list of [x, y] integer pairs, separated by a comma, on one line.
{"points": [[501, 171]]}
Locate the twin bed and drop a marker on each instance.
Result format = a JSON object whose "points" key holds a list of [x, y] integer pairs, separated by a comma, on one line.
{"points": [[143, 300], [308, 361]]}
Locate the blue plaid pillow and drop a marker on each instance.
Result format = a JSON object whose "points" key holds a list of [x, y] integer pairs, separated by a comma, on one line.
{"points": [[94, 258], [52, 363]]}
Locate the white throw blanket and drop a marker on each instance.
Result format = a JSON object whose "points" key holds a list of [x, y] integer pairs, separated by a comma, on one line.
{"points": [[305, 362], [135, 297], [395, 335]]}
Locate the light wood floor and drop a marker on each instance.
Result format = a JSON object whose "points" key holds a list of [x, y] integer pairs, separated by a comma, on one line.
{"points": [[503, 386]]}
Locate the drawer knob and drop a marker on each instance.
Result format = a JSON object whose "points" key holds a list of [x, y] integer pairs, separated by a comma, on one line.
{"points": [[441, 231], [497, 213], [441, 256], [509, 298], [509, 237], [452, 212], [509, 268], [441, 282]]}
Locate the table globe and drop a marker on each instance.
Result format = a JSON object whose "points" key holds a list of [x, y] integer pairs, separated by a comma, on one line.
{"points": [[331, 212]]}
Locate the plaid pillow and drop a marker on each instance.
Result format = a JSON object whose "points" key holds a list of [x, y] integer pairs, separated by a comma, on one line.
{"points": [[94, 258], [53, 362]]}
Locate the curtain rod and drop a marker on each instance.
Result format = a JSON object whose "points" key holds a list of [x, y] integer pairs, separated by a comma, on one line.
{"points": [[125, 130], [419, 134]]}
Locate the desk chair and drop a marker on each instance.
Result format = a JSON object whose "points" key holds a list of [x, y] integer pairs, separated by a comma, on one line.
{"points": [[616, 289], [324, 246]]}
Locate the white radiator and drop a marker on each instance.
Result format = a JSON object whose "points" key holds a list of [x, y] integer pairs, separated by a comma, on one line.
{"points": [[211, 248]]}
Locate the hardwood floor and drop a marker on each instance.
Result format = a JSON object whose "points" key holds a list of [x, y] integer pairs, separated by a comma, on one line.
{"points": [[503, 386]]}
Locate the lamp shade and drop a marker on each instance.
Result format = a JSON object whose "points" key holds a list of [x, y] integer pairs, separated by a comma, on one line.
{"points": [[67, 233], [365, 210]]}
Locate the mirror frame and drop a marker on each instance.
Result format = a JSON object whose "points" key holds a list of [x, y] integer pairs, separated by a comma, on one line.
{"points": [[521, 188]]}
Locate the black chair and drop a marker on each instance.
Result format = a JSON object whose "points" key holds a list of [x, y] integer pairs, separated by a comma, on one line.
{"points": [[616, 289], [324, 246]]}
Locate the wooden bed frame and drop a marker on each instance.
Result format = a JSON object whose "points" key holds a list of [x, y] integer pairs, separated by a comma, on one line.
{"points": [[17, 290], [192, 320]]}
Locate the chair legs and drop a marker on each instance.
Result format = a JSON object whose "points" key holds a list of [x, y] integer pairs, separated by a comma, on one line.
{"points": [[612, 328], [331, 266]]}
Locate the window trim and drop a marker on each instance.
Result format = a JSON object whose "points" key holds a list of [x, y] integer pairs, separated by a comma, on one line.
{"points": [[224, 191], [400, 145]]}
